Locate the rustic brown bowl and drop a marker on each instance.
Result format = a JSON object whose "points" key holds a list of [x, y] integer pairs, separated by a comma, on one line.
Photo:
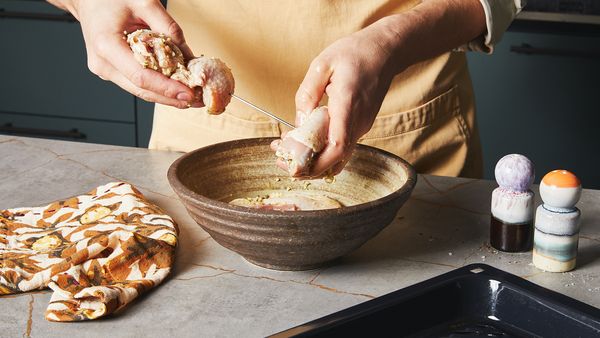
{"points": [[373, 186]]}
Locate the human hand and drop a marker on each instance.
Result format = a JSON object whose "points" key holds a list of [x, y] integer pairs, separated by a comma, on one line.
{"points": [[110, 57], [355, 72]]}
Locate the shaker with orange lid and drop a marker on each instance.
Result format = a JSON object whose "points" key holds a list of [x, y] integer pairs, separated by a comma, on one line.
{"points": [[556, 236]]}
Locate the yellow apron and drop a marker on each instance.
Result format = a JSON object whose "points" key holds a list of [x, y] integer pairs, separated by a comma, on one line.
{"points": [[427, 117]]}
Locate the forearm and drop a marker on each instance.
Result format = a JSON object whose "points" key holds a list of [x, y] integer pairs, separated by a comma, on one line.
{"points": [[430, 29]]}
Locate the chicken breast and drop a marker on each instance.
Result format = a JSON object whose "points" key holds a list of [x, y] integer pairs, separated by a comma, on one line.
{"points": [[209, 77], [289, 201], [300, 146]]}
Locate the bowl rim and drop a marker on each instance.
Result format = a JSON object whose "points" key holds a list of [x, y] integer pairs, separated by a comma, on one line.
{"points": [[191, 196]]}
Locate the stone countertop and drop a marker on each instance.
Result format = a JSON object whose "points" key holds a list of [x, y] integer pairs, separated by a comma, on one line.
{"points": [[215, 292]]}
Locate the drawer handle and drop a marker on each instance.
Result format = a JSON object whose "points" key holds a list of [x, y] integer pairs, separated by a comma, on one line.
{"points": [[8, 128], [530, 50], [37, 16]]}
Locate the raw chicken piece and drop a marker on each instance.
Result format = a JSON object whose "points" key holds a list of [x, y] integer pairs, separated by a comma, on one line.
{"points": [[183, 75], [155, 51], [289, 201], [210, 78], [216, 81], [301, 145]]}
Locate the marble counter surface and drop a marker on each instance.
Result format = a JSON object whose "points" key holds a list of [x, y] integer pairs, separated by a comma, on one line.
{"points": [[215, 292]]}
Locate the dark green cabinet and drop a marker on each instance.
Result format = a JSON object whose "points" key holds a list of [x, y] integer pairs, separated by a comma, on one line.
{"points": [[69, 128], [538, 95], [46, 89]]}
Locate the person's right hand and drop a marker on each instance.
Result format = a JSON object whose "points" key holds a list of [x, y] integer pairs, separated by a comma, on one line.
{"points": [[108, 55]]}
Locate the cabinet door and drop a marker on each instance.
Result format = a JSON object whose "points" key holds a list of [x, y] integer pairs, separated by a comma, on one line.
{"points": [[43, 68], [116, 133], [543, 106], [144, 116]]}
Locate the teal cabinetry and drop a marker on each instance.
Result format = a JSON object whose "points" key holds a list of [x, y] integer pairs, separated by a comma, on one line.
{"points": [[543, 104], [46, 89], [71, 129]]}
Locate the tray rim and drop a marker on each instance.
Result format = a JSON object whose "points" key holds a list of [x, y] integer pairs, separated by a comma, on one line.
{"points": [[586, 314]]}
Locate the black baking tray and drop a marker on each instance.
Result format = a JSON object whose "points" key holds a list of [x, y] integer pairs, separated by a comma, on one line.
{"points": [[473, 301]]}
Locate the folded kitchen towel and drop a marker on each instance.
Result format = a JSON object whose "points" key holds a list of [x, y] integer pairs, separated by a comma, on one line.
{"points": [[97, 251]]}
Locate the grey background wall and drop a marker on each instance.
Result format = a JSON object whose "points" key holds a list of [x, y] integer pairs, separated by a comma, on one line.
{"points": [[543, 106]]}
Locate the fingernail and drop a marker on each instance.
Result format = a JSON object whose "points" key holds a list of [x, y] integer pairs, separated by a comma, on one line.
{"points": [[183, 96], [183, 105]]}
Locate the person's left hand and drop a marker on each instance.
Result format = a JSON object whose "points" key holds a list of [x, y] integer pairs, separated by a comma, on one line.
{"points": [[355, 72]]}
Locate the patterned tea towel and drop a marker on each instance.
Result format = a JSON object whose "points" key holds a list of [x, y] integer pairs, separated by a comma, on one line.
{"points": [[97, 251]]}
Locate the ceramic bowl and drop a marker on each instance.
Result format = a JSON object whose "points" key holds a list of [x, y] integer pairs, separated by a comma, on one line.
{"points": [[372, 187]]}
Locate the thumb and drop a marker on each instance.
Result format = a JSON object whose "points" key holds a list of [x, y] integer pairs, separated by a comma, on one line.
{"points": [[156, 16]]}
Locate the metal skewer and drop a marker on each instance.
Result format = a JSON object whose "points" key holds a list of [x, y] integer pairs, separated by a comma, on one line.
{"points": [[273, 116]]}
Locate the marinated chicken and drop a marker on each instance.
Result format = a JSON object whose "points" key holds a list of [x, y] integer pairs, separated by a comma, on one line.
{"points": [[210, 78], [215, 79], [155, 51], [300, 146], [288, 201]]}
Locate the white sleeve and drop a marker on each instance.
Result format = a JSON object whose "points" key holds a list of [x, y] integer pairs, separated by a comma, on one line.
{"points": [[498, 16]]}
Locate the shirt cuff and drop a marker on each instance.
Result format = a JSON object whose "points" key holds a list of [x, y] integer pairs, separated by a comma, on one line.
{"points": [[499, 14]]}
